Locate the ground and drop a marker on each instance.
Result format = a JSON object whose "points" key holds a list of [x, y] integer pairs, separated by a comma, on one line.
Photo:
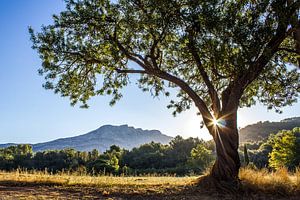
{"points": [[50, 192], [58, 192], [41, 185]]}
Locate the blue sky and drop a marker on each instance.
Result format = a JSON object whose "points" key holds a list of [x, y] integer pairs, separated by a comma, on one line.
{"points": [[30, 114]]}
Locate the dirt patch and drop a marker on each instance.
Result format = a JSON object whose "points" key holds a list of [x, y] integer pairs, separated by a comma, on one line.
{"points": [[45, 192], [32, 192], [8, 192]]}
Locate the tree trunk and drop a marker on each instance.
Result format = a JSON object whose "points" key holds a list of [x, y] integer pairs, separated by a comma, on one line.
{"points": [[226, 168]]}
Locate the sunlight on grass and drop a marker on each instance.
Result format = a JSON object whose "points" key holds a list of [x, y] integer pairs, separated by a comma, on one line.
{"points": [[67, 179], [281, 181]]}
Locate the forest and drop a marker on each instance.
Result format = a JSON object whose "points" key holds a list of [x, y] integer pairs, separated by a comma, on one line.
{"points": [[180, 157]]}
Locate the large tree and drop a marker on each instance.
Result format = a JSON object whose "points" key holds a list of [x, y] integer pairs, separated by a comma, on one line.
{"points": [[220, 54]]}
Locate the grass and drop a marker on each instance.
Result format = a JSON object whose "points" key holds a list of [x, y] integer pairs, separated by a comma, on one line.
{"points": [[90, 187], [257, 184], [281, 182], [69, 179]]}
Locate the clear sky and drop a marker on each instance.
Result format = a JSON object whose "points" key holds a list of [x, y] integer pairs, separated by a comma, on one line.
{"points": [[30, 114]]}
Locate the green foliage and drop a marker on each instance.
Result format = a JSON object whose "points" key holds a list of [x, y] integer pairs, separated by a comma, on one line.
{"points": [[180, 150], [286, 150], [251, 145], [16, 156], [279, 150], [151, 156], [108, 162], [181, 157], [201, 158], [201, 46], [57, 160], [260, 156]]}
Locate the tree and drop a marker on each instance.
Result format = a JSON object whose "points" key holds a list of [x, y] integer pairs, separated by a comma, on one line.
{"points": [[180, 151], [259, 157], [201, 157], [286, 149], [22, 156], [246, 156], [221, 55], [147, 156], [108, 162]]}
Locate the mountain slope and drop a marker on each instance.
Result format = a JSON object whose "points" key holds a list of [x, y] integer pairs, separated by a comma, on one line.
{"points": [[8, 145], [105, 136], [262, 130]]}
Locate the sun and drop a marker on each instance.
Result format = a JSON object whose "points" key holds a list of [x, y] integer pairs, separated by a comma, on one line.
{"points": [[215, 122], [221, 123]]}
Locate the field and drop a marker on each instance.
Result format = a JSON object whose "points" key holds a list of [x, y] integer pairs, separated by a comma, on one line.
{"points": [[40, 185]]}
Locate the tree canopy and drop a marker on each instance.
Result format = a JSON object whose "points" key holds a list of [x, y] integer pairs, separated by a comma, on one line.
{"points": [[236, 51]]}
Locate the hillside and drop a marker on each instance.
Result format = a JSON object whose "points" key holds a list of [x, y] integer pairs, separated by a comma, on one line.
{"points": [[102, 138], [262, 130]]}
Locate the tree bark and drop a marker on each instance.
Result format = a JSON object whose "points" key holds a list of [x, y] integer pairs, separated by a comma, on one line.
{"points": [[226, 167]]}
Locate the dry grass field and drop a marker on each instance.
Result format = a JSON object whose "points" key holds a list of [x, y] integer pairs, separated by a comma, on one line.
{"points": [[257, 184]]}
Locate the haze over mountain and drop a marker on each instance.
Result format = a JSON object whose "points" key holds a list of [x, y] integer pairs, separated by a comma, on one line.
{"points": [[102, 138], [262, 130]]}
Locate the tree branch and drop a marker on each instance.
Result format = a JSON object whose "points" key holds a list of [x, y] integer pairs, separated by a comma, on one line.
{"points": [[131, 71], [212, 91], [200, 104], [241, 83]]}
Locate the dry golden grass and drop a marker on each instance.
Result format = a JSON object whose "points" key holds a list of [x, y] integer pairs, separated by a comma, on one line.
{"points": [[297, 178], [66, 179], [257, 184], [71, 186], [279, 182]]}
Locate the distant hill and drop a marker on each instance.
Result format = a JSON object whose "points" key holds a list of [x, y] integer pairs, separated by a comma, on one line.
{"points": [[262, 130], [102, 138], [7, 145]]}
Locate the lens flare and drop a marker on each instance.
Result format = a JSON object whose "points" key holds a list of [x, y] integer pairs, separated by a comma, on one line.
{"points": [[221, 123], [215, 122]]}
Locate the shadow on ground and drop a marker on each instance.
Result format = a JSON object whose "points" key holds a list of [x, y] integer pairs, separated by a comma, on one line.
{"points": [[19, 190]]}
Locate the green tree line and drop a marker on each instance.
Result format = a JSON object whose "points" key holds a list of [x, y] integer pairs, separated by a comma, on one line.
{"points": [[180, 156], [278, 150]]}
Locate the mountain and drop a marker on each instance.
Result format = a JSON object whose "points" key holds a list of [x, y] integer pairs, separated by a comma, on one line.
{"points": [[102, 138], [7, 145], [129, 137], [262, 130]]}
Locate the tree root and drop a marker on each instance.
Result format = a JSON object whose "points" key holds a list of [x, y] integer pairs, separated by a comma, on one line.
{"points": [[209, 183]]}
